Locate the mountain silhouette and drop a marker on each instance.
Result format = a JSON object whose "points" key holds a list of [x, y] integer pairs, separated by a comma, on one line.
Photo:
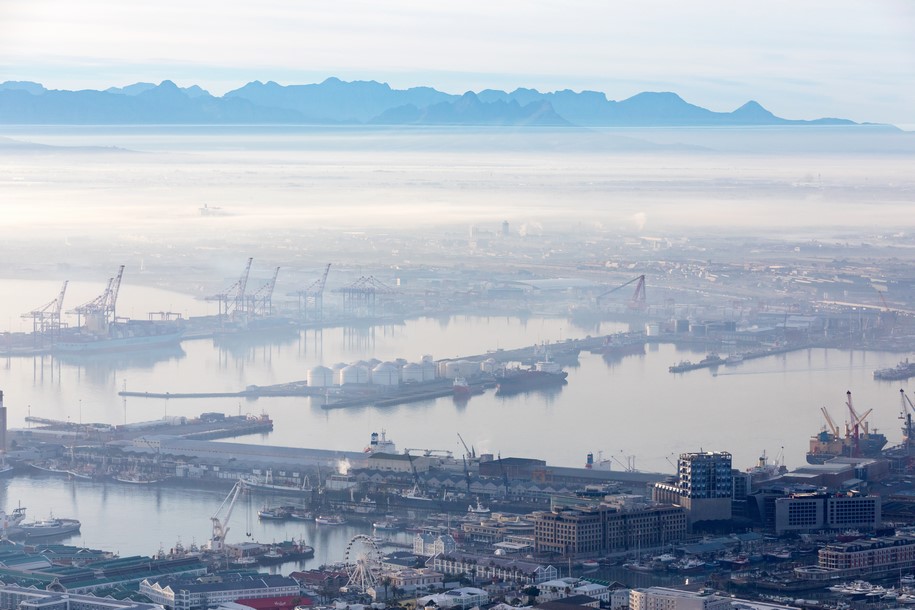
{"points": [[334, 101]]}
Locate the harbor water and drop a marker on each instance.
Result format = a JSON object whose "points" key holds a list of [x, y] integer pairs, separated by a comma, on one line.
{"points": [[626, 411]]}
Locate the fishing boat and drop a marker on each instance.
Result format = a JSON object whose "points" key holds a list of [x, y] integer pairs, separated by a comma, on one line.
{"points": [[46, 528], [330, 520]]}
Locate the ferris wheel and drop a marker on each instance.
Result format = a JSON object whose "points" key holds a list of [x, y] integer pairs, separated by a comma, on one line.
{"points": [[363, 563]]}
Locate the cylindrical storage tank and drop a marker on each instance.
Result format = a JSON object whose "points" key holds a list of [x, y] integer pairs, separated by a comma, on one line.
{"points": [[468, 368], [385, 374], [429, 373], [320, 377], [354, 373], [452, 369], [337, 368], [412, 373], [372, 363], [427, 358], [488, 366]]}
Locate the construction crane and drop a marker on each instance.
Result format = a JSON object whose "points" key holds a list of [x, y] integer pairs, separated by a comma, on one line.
{"points": [[217, 541], [261, 302], [314, 295], [471, 452], [46, 319], [638, 300], [100, 312], [232, 300]]}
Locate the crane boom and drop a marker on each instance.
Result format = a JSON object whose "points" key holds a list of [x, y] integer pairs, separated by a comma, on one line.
{"points": [[470, 452], [221, 526], [832, 426], [638, 297]]}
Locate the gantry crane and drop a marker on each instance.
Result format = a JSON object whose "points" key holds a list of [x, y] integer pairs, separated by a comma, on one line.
{"points": [[101, 311], [261, 301], [217, 542], [232, 301], [46, 319], [314, 295], [638, 300]]}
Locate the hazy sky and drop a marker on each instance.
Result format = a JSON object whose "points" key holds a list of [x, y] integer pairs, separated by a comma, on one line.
{"points": [[800, 59]]}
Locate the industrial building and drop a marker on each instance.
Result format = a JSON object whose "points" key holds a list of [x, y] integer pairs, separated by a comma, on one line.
{"points": [[22, 598]]}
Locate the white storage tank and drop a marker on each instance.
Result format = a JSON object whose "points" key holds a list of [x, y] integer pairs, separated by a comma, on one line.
{"points": [[320, 377], [489, 366], [385, 374], [451, 369], [354, 373], [337, 368], [428, 370], [412, 373], [468, 368]]}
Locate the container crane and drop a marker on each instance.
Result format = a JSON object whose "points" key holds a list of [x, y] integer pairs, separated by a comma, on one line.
{"points": [[46, 319], [100, 311], [261, 302], [314, 295], [232, 300], [217, 541]]}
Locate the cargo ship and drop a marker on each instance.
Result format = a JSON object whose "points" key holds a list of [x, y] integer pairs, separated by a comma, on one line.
{"points": [[121, 337], [858, 439], [543, 375], [903, 370]]}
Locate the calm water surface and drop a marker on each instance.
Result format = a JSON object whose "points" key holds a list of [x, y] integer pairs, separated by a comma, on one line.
{"points": [[631, 407]]}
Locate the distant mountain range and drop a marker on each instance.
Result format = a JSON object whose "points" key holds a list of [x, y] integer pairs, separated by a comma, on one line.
{"points": [[363, 102]]}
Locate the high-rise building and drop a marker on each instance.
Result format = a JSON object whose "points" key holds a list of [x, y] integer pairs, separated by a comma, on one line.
{"points": [[704, 486]]}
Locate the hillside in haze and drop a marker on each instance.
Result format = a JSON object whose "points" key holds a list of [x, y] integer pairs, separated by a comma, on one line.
{"points": [[363, 102]]}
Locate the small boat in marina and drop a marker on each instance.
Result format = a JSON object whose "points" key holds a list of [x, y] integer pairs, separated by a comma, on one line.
{"points": [[276, 513], [330, 520]]}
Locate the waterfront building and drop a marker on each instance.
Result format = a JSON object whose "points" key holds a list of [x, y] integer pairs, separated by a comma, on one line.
{"points": [[465, 597], [498, 528], [411, 579], [873, 557], [22, 598], [194, 595], [662, 598], [819, 511], [427, 544], [488, 567], [572, 602], [594, 531]]}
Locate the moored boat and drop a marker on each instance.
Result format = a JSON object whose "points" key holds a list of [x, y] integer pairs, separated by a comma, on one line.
{"points": [[330, 520], [45, 529]]}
